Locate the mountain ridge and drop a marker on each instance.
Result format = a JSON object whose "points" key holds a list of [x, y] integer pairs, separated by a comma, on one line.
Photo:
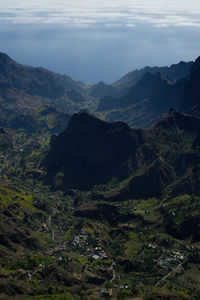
{"points": [[174, 72], [102, 210], [148, 160], [24, 89], [119, 88], [152, 96]]}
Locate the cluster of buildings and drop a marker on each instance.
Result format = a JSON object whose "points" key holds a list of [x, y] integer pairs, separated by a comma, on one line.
{"points": [[80, 240], [97, 253]]}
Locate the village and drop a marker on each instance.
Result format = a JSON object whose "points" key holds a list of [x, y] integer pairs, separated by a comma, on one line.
{"points": [[169, 260], [81, 242]]}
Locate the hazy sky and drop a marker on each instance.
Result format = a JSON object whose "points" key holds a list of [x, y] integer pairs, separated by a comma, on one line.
{"points": [[94, 40]]}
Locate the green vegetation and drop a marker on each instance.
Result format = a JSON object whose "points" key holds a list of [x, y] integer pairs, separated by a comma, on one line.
{"points": [[102, 243]]}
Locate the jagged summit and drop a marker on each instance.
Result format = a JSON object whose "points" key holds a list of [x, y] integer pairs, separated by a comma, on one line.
{"points": [[92, 150], [175, 72], [145, 95], [191, 95], [160, 92], [139, 99]]}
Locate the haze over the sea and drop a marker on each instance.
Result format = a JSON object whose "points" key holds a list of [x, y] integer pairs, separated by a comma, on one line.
{"points": [[94, 40]]}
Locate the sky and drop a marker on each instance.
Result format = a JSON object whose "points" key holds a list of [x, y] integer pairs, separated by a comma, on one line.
{"points": [[93, 40]]}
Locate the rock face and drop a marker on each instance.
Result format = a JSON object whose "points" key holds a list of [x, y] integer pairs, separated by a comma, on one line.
{"points": [[164, 158], [90, 151], [191, 96]]}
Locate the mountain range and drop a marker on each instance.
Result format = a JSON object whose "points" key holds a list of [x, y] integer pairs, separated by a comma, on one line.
{"points": [[121, 87], [146, 162], [150, 97], [141, 96], [92, 207]]}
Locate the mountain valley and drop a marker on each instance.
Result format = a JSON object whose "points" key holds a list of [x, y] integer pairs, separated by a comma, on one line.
{"points": [[99, 185]]}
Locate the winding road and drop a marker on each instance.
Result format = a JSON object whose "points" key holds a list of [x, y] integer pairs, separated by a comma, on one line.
{"points": [[113, 270]]}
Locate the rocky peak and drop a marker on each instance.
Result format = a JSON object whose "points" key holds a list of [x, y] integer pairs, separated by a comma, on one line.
{"points": [[85, 123], [191, 95], [92, 146]]}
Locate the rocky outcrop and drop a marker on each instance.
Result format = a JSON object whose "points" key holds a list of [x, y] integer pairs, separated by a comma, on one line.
{"points": [[150, 162], [90, 151]]}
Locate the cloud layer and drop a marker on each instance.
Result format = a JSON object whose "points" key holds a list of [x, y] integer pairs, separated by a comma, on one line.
{"points": [[108, 13], [94, 54], [82, 38]]}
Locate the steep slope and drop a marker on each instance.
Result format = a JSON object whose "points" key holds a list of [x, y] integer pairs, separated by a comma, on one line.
{"points": [[122, 86], [160, 92], [24, 88], [191, 95], [173, 140], [145, 95], [174, 72], [35, 81], [145, 103], [90, 151], [162, 159], [16, 212]]}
